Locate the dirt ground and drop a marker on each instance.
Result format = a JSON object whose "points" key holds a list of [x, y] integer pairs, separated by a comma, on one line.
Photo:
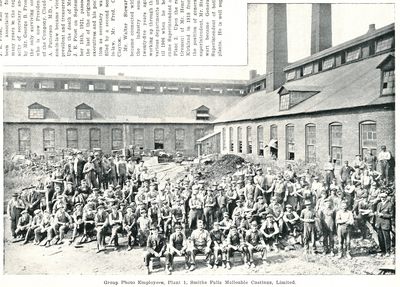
{"points": [[66, 259]]}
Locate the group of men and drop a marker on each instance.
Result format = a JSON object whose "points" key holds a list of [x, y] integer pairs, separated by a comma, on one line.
{"points": [[246, 212]]}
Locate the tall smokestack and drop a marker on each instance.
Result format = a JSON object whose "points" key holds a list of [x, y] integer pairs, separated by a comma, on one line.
{"points": [[321, 27], [277, 54]]}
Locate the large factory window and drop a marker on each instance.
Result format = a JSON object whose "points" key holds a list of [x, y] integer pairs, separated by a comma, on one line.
{"points": [[335, 143], [95, 138], [72, 138], [24, 140], [159, 139], [116, 139], [249, 142], [49, 136], [223, 138], [231, 139], [311, 140], [290, 146], [384, 44], [273, 141], [260, 140], [179, 139], [138, 138], [388, 83], [239, 140], [368, 138]]}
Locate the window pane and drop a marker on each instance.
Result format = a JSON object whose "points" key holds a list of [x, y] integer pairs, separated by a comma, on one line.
{"points": [[231, 139], [328, 63], [284, 104], [307, 69], [74, 85], [138, 138], [99, 86], [384, 44], [274, 132], [83, 114], [223, 138], [46, 85], [291, 75], [368, 136], [353, 55], [36, 113], [388, 83]]}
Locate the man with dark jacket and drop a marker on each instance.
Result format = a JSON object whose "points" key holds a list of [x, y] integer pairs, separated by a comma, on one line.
{"points": [[78, 168], [384, 215]]}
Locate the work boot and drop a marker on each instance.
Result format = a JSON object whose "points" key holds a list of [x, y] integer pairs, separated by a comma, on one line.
{"points": [[148, 271], [348, 255], [228, 265], [192, 267]]}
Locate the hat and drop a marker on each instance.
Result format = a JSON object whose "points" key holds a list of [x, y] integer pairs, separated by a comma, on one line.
{"points": [[254, 223], [220, 188], [226, 213], [269, 215], [239, 181], [289, 205], [216, 223], [382, 194], [201, 181], [78, 204], [100, 206], [383, 147], [118, 186], [364, 195], [79, 152], [95, 189], [233, 226], [24, 211], [259, 168], [260, 197], [307, 202], [36, 211], [15, 194], [239, 201]]}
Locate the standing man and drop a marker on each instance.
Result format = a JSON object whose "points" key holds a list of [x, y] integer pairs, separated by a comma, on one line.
{"points": [[345, 173], [14, 208], [384, 158], [370, 160], [79, 163], [122, 170], [344, 221], [384, 217], [308, 217], [329, 172]]}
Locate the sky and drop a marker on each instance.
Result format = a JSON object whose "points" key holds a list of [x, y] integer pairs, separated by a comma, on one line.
{"points": [[348, 21]]}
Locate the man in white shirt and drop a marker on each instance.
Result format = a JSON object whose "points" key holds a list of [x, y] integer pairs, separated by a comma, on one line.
{"points": [[384, 159]]}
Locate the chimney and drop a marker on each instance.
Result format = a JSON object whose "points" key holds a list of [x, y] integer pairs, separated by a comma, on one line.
{"points": [[321, 27], [253, 74], [371, 28], [101, 71], [277, 54]]}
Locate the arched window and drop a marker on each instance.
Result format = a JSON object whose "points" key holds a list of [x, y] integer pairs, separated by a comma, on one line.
{"points": [[138, 138], [179, 139], [49, 136], [273, 141], [290, 147], [231, 139], [368, 138], [311, 139], [239, 140], [249, 142], [260, 140], [335, 142], [223, 138]]}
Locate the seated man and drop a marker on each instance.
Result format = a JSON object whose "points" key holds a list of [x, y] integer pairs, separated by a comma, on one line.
{"points": [[37, 218], [62, 223], [177, 246], [270, 230], [23, 224], [78, 222], [115, 222], [156, 246], [44, 227], [88, 223], [129, 224], [201, 243], [255, 243], [291, 220], [235, 243], [217, 245], [101, 222]]}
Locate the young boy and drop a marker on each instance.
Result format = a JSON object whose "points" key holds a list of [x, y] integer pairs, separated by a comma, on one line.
{"points": [[308, 217]]}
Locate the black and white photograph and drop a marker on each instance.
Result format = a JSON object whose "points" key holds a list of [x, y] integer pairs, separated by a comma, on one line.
{"points": [[282, 166]]}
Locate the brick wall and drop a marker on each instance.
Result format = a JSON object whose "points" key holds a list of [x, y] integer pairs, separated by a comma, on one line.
{"points": [[11, 143], [350, 120]]}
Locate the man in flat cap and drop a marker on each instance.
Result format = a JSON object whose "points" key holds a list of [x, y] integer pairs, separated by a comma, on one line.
{"points": [[155, 247], [344, 222], [101, 222], [384, 159], [23, 224], [235, 243], [37, 218], [177, 247], [255, 243], [308, 216], [201, 243]]}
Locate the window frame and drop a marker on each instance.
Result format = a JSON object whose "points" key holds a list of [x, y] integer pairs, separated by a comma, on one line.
{"points": [[282, 100], [137, 142], [47, 142], [156, 140], [27, 142], [239, 139], [223, 138], [68, 140], [249, 141], [180, 143], [91, 140], [114, 146], [288, 144], [43, 111], [309, 159], [260, 140], [383, 71], [332, 146], [231, 140], [77, 110], [361, 142], [352, 50]]}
